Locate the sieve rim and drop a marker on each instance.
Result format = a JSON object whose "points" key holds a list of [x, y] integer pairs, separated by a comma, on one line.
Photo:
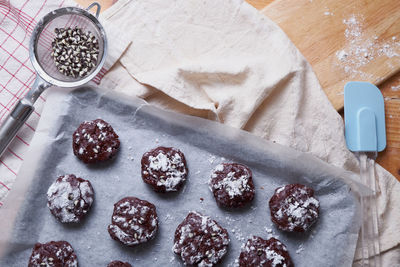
{"points": [[36, 33]]}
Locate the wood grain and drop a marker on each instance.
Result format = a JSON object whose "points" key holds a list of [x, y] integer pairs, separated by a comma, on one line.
{"points": [[390, 158], [259, 4], [319, 36], [319, 31]]}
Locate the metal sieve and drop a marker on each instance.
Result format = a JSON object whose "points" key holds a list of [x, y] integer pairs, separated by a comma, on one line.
{"points": [[47, 74]]}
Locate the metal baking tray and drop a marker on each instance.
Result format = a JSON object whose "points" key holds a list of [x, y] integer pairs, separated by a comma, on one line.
{"points": [[25, 218]]}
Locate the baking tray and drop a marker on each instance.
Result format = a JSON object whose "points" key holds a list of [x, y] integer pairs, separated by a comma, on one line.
{"points": [[25, 218]]}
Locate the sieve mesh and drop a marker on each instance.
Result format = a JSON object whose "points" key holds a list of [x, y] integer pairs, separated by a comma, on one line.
{"points": [[42, 43], [40, 48]]}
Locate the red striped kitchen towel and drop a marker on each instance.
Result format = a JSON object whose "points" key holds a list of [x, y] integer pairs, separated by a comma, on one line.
{"points": [[17, 21]]}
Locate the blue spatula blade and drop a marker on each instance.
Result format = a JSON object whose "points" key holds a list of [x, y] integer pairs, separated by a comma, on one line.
{"points": [[364, 117]]}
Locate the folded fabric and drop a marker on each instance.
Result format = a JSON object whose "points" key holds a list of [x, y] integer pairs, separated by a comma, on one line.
{"points": [[225, 61]]}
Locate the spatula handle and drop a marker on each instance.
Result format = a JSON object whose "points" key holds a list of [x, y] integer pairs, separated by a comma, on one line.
{"points": [[364, 205], [374, 216], [369, 227]]}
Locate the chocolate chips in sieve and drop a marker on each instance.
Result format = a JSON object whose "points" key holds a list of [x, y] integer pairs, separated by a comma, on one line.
{"points": [[74, 51]]}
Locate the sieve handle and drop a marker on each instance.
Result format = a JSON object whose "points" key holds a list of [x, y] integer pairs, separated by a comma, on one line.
{"points": [[14, 122], [98, 8], [20, 113]]}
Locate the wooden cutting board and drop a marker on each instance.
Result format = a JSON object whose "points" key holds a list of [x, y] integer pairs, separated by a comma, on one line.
{"points": [[357, 40], [318, 29]]}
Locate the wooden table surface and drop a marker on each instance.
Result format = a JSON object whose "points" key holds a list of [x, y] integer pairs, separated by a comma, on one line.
{"points": [[390, 158]]}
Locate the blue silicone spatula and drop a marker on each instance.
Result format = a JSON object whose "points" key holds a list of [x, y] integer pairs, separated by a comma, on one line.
{"points": [[364, 116]]}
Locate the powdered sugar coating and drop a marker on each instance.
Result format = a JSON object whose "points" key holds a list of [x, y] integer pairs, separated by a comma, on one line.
{"points": [[200, 241], [258, 252], [134, 221], [69, 198], [95, 141], [232, 184], [294, 208], [54, 253], [164, 168]]}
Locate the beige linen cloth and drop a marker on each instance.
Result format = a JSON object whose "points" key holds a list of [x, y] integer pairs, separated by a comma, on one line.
{"points": [[225, 61]]}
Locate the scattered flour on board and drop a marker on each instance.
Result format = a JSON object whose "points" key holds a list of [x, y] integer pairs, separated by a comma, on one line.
{"points": [[395, 88], [359, 50]]}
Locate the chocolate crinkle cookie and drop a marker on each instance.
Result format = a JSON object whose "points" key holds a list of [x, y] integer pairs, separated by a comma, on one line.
{"points": [[54, 253], [294, 208], [258, 252], [200, 241], [134, 221], [232, 185], [119, 264], [69, 198], [95, 141], [164, 168]]}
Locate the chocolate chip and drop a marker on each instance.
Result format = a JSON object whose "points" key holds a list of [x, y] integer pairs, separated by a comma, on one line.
{"points": [[74, 52], [259, 252]]}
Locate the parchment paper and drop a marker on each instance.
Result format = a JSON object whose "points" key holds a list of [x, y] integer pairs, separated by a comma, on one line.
{"points": [[141, 127]]}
